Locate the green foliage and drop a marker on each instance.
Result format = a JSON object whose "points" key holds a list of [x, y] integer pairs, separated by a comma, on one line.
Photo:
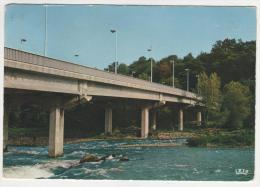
{"points": [[236, 102], [209, 89], [142, 68], [240, 138], [197, 141], [123, 69]]}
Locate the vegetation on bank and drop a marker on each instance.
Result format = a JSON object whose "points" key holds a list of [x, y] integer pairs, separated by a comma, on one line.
{"points": [[239, 138], [202, 137]]}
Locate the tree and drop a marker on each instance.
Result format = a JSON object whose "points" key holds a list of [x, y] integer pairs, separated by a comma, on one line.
{"points": [[123, 69], [236, 103], [209, 89], [141, 67]]}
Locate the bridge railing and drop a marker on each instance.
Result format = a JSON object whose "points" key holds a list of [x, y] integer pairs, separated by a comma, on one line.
{"points": [[21, 56]]}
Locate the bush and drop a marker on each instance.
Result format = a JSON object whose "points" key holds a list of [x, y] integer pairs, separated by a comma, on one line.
{"points": [[197, 142]]}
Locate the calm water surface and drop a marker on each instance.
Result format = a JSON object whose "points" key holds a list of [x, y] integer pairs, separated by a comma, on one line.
{"points": [[146, 163]]}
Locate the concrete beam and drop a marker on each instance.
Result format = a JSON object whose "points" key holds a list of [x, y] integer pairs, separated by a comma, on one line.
{"points": [[108, 120], [145, 122], [198, 118], [180, 126], [56, 131], [75, 101]]}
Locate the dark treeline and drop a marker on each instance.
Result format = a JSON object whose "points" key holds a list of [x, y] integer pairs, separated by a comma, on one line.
{"points": [[224, 77]]}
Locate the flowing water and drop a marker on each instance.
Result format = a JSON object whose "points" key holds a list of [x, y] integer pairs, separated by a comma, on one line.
{"points": [[145, 163]]}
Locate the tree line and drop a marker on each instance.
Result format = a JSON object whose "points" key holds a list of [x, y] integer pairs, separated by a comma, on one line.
{"points": [[224, 77]]}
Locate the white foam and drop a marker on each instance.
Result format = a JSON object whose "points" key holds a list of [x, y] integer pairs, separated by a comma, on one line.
{"points": [[182, 165], [217, 171], [78, 153], [102, 172], [38, 170], [27, 152], [26, 172]]}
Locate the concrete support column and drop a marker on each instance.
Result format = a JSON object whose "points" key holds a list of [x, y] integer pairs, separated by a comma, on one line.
{"points": [[198, 118], [145, 122], [154, 120], [108, 121], [5, 129], [180, 127], [56, 132]]}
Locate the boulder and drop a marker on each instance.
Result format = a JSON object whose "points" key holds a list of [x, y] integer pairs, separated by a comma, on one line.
{"points": [[89, 158], [124, 158]]}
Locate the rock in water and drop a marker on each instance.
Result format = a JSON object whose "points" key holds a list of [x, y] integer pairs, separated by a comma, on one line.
{"points": [[124, 158], [89, 158], [108, 157]]}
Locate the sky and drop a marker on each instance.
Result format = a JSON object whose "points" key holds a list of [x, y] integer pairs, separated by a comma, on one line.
{"points": [[84, 30]]}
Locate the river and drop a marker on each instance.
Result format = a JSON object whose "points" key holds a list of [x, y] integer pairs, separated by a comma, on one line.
{"points": [[145, 163]]}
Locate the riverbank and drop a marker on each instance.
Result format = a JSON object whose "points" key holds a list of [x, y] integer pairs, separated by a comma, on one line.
{"points": [[237, 138], [204, 137]]}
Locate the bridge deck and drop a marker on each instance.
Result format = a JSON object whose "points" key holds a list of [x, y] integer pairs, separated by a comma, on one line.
{"points": [[85, 73]]}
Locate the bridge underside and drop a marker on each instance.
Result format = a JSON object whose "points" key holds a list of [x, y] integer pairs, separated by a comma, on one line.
{"points": [[58, 103]]}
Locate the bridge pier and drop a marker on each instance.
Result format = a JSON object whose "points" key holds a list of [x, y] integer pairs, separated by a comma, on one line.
{"points": [[180, 125], [199, 118], [56, 131], [108, 120], [5, 129], [145, 122], [154, 124]]}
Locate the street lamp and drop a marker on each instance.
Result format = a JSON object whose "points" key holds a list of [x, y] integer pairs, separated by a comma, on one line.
{"points": [[172, 61], [45, 32], [114, 31], [188, 77], [23, 40], [150, 50]]}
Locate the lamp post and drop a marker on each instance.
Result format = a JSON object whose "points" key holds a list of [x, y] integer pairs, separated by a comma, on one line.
{"points": [[172, 61], [188, 77], [114, 31], [150, 50], [45, 33], [22, 41]]}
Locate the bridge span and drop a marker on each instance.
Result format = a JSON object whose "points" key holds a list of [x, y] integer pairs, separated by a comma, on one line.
{"points": [[59, 85]]}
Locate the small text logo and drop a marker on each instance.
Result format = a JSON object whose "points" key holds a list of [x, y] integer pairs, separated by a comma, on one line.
{"points": [[241, 171]]}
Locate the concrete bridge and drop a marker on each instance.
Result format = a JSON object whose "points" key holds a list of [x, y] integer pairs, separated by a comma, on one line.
{"points": [[59, 85]]}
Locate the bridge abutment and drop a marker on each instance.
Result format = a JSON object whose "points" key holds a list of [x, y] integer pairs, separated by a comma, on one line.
{"points": [[144, 122], [180, 124], [108, 120], [56, 131]]}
